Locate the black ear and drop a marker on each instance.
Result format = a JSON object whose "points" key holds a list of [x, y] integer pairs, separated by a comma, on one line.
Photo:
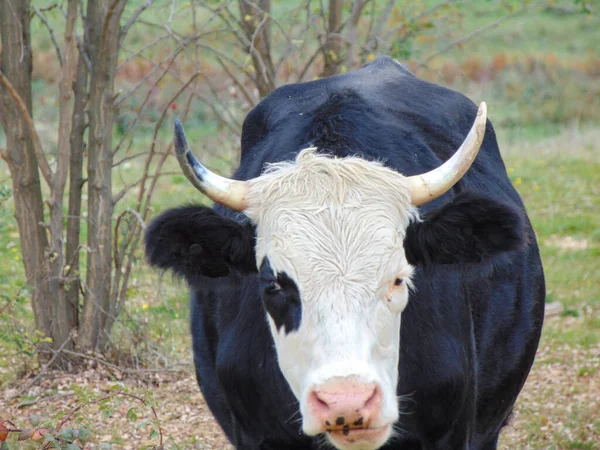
{"points": [[470, 228], [195, 240]]}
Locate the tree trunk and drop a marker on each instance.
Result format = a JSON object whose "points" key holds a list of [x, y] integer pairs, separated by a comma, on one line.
{"points": [[352, 33], [15, 64], [103, 26], [257, 27], [72, 271], [332, 49], [64, 314]]}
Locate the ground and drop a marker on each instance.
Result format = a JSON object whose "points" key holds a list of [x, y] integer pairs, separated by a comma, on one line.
{"points": [[562, 396]]}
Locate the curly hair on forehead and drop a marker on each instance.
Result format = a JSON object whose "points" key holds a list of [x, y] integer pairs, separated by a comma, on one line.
{"points": [[319, 180]]}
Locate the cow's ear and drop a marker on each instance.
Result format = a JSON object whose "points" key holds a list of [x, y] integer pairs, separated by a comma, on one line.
{"points": [[470, 228], [195, 240]]}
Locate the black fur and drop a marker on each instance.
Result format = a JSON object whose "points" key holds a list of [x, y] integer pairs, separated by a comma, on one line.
{"points": [[470, 228], [195, 240], [281, 298], [468, 337]]}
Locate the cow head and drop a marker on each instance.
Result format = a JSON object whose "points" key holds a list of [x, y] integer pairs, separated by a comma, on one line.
{"points": [[327, 239]]}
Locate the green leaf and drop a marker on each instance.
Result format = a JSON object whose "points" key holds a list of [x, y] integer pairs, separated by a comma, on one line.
{"points": [[49, 439], [142, 424], [131, 414], [66, 435], [153, 434], [34, 419], [84, 435]]}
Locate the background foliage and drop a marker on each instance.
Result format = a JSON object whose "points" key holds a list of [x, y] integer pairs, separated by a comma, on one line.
{"points": [[536, 64]]}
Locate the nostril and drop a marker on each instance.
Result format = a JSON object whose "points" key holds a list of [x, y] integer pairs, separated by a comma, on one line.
{"points": [[318, 405], [374, 401]]}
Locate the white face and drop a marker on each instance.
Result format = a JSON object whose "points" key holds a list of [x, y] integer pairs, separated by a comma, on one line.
{"points": [[330, 233]]}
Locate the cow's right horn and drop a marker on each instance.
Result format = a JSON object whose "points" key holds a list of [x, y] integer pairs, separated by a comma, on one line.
{"points": [[230, 193]]}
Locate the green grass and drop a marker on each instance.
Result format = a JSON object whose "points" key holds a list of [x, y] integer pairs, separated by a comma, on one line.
{"points": [[559, 181]]}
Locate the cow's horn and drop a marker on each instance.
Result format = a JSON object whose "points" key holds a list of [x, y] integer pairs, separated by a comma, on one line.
{"points": [[430, 185], [230, 193]]}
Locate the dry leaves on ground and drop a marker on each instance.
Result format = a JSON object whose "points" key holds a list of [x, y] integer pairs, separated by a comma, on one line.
{"points": [[558, 407]]}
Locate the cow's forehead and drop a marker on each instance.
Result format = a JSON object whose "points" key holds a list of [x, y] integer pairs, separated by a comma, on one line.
{"points": [[328, 222], [313, 183]]}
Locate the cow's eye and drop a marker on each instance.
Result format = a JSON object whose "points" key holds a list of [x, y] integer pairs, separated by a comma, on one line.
{"points": [[398, 281], [273, 287]]}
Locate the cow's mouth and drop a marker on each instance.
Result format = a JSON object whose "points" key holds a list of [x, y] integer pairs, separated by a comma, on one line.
{"points": [[359, 438]]}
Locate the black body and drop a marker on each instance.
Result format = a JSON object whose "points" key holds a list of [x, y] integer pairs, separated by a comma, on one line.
{"points": [[472, 325]]}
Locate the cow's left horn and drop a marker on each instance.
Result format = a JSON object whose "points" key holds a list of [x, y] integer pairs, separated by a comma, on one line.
{"points": [[230, 193], [430, 185]]}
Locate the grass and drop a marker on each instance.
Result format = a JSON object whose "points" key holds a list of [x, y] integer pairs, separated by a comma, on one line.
{"points": [[559, 180]]}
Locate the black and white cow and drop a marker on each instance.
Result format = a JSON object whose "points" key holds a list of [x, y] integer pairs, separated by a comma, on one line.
{"points": [[362, 283]]}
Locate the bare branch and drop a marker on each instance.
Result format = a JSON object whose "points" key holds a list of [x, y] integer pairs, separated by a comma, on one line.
{"points": [[130, 157], [51, 31], [321, 49], [259, 47], [133, 18], [37, 146], [352, 34], [171, 57], [49, 7], [240, 86], [419, 16], [151, 153], [471, 36], [373, 35], [239, 36], [82, 53], [45, 367], [142, 49], [291, 42]]}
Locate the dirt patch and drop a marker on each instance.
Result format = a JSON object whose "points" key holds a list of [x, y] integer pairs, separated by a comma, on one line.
{"points": [[183, 414], [567, 243], [558, 407]]}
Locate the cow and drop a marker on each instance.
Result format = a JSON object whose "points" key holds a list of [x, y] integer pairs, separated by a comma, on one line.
{"points": [[368, 278]]}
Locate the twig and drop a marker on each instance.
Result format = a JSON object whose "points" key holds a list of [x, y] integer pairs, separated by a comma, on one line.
{"points": [[118, 197], [240, 86], [291, 43], [49, 7], [133, 18], [413, 19], [140, 50], [121, 369], [46, 366], [129, 158], [78, 407], [472, 36], [37, 146], [321, 48], [383, 18], [51, 31], [145, 403]]}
